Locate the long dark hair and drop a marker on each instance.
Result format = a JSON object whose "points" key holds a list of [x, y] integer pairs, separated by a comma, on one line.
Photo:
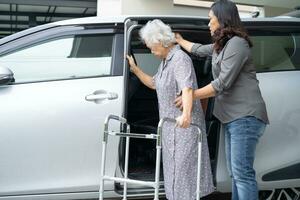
{"points": [[230, 24]]}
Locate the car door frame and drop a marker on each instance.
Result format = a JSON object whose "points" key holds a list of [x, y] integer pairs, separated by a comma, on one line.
{"points": [[133, 23]]}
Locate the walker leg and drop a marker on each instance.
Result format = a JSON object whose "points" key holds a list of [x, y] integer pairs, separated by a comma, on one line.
{"points": [[157, 168], [101, 190], [199, 167], [126, 164], [157, 173]]}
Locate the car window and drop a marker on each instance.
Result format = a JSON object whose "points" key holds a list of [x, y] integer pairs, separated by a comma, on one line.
{"points": [[148, 62], [67, 57], [276, 52]]}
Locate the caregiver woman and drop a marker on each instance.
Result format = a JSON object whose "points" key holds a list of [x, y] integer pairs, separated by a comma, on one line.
{"points": [[238, 101]]}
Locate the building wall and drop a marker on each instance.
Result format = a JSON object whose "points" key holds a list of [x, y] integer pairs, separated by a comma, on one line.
{"points": [[147, 7], [163, 7], [160, 7]]}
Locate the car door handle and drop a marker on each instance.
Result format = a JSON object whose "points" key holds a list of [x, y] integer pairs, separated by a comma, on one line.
{"points": [[101, 95]]}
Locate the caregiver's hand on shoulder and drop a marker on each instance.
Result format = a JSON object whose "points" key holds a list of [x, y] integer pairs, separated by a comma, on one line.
{"points": [[178, 38]]}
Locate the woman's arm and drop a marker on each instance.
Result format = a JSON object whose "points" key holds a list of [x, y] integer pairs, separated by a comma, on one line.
{"points": [[235, 58], [194, 48], [187, 102], [204, 92], [187, 45], [145, 78], [201, 93]]}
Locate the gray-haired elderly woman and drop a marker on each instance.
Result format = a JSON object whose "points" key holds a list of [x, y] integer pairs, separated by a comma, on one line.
{"points": [[176, 76]]}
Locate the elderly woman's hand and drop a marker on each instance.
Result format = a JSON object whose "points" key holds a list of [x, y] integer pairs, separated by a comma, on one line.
{"points": [[133, 67], [183, 121]]}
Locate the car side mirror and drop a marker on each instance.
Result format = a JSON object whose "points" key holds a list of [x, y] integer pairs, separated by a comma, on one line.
{"points": [[6, 76]]}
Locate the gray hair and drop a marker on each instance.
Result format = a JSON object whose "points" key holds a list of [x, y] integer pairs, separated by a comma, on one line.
{"points": [[155, 32]]}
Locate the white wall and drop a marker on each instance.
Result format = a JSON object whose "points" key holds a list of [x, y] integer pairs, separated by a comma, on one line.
{"points": [[109, 7], [164, 7], [146, 7]]}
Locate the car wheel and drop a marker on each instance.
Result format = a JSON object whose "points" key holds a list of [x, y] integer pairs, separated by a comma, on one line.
{"points": [[280, 194]]}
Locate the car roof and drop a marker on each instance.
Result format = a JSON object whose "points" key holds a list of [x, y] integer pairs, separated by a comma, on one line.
{"points": [[122, 18], [92, 20]]}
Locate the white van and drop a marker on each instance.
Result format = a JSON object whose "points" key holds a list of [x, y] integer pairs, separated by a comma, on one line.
{"points": [[57, 81]]}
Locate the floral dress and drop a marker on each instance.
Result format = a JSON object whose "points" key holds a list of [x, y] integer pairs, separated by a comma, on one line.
{"points": [[179, 146]]}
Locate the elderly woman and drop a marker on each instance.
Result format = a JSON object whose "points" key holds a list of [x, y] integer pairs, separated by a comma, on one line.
{"points": [[176, 76]]}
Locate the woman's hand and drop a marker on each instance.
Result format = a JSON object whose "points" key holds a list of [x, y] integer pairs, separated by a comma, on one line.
{"points": [[133, 67], [183, 121], [178, 102], [187, 45], [178, 38], [144, 78]]}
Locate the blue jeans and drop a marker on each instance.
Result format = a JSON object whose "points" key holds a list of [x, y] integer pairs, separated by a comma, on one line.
{"points": [[241, 137]]}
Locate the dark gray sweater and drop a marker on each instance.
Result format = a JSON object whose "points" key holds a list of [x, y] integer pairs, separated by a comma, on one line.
{"points": [[237, 91]]}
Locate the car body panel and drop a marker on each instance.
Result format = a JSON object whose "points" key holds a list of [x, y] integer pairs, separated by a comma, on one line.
{"points": [[55, 145], [278, 147]]}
